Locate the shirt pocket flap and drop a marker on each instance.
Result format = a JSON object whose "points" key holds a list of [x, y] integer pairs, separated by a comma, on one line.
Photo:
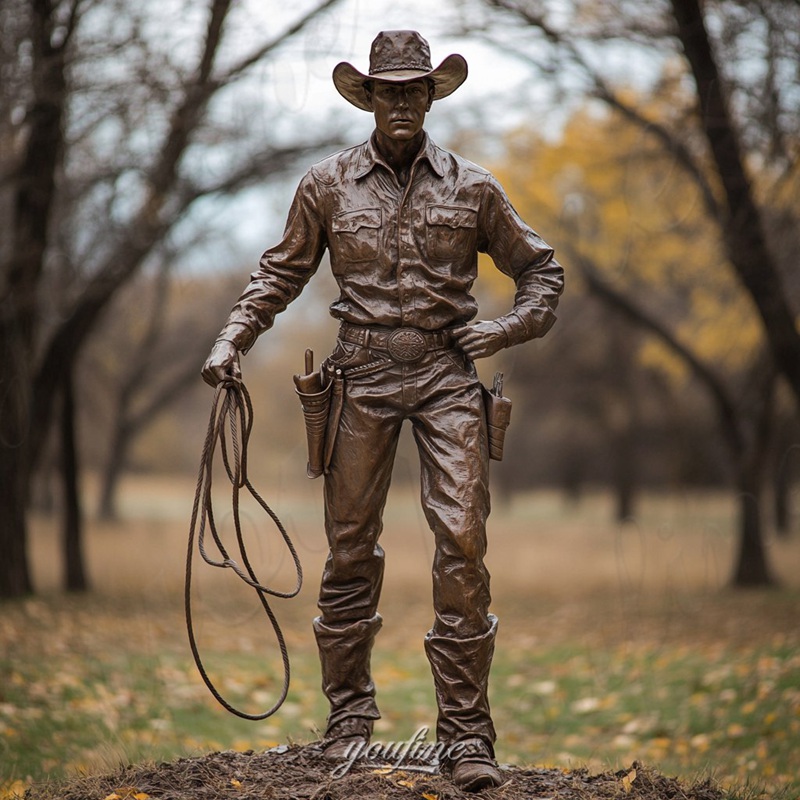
{"points": [[351, 221], [452, 216]]}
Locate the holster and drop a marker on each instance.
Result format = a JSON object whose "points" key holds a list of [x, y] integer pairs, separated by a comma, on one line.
{"points": [[321, 395], [498, 415], [335, 380], [314, 391]]}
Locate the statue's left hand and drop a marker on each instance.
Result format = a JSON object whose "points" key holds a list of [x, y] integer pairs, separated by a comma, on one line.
{"points": [[222, 363], [480, 339]]}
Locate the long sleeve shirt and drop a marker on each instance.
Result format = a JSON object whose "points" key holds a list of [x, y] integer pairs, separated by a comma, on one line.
{"points": [[402, 256]]}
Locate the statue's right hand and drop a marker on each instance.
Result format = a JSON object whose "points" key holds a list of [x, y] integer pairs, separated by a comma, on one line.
{"points": [[222, 363]]}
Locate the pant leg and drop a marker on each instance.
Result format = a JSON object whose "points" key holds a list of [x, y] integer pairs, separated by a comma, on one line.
{"points": [[355, 495], [450, 430]]}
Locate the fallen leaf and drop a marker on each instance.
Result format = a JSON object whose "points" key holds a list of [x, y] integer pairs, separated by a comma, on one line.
{"points": [[12, 791], [127, 793], [735, 730], [586, 705], [628, 780]]}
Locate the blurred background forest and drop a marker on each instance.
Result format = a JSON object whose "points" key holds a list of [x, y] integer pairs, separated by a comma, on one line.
{"points": [[148, 154]]}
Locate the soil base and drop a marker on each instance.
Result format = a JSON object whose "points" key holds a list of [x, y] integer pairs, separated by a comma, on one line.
{"points": [[298, 772]]}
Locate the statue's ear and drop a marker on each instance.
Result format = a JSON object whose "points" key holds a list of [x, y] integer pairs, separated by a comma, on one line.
{"points": [[368, 92]]}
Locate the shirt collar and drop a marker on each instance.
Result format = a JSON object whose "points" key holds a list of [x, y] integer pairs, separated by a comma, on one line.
{"points": [[369, 157]]}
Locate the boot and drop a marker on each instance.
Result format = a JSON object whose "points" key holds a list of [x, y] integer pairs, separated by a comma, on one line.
{"points": [[344, 652], [461, 677], [472, 765]]}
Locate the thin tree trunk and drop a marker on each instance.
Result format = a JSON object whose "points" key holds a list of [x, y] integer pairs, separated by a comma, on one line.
{"points": [[625, 419], [74, 572], [624, 476], [782, 486], [115, 463]]}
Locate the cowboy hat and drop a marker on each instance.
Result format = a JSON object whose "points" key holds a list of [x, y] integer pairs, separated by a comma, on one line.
{"points": [[399, 56]]}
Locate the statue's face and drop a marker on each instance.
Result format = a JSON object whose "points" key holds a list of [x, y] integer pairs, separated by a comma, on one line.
{"points": [[400, 108]]}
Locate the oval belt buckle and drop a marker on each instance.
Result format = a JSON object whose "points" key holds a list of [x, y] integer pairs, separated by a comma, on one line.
{"points": [[406, 345]]}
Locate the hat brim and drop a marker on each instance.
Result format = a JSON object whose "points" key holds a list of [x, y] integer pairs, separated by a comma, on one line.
{"points": [[447, 77]]}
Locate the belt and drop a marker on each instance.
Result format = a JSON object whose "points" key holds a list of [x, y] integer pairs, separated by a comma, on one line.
{"points": [[402, 344]]}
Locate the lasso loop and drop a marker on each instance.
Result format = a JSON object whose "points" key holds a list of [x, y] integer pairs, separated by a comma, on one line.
{"points": [[233, 410]]}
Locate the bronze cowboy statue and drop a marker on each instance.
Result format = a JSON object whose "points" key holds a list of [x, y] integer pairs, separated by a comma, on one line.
{"points": [[403, 221]]}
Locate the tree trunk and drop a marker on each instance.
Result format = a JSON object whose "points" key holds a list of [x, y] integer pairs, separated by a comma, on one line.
{"points": [[624, 477], [783, 484], [74, 572], [782, 488], [752, 568], [33, 204], [15, 578], [751, 564], [784, 472]]}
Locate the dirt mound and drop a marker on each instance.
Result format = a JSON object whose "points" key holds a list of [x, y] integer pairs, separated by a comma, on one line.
{"points": [[299, 773]]}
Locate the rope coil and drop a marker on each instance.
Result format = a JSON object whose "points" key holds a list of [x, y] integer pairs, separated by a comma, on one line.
{"points": [[232, 409]]}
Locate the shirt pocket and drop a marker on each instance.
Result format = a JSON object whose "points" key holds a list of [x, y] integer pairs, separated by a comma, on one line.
{"points": [[450, 231], [356, 235]]}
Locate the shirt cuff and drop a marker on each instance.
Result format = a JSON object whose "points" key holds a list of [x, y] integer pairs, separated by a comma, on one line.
{"points": [[515, 328], [238, 334], [523, 327]]}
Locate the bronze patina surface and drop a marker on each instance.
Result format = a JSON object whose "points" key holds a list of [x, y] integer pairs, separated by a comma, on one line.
{"points": [[403, 221]]}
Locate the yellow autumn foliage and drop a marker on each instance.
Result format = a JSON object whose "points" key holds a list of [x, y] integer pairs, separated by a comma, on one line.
{"points": [[609, 192]]}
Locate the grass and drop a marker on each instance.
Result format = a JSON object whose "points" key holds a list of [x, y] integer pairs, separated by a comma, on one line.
{"points": [[616, 644]]}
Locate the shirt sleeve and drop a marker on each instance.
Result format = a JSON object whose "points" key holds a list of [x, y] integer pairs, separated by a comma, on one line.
{"points": [[519, 252], [283, 270]]}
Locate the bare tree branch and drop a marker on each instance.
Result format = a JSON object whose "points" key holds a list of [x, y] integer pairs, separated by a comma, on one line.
{"points": [[258, 55], [161, 209], [743, 231], [603, 91]]}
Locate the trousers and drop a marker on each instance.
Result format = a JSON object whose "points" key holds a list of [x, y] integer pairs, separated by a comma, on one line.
{"points": [[440, 395]]}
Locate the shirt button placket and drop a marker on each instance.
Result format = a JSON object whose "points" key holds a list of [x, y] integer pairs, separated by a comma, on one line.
{"points": [[405, 285], [404, 250]]}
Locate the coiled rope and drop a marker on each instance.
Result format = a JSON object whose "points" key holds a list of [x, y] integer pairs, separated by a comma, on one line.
{"points": [[232, 410]]}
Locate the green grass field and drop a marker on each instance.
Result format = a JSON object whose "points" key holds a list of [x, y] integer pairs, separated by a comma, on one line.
{"points": [[617, 643]]}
